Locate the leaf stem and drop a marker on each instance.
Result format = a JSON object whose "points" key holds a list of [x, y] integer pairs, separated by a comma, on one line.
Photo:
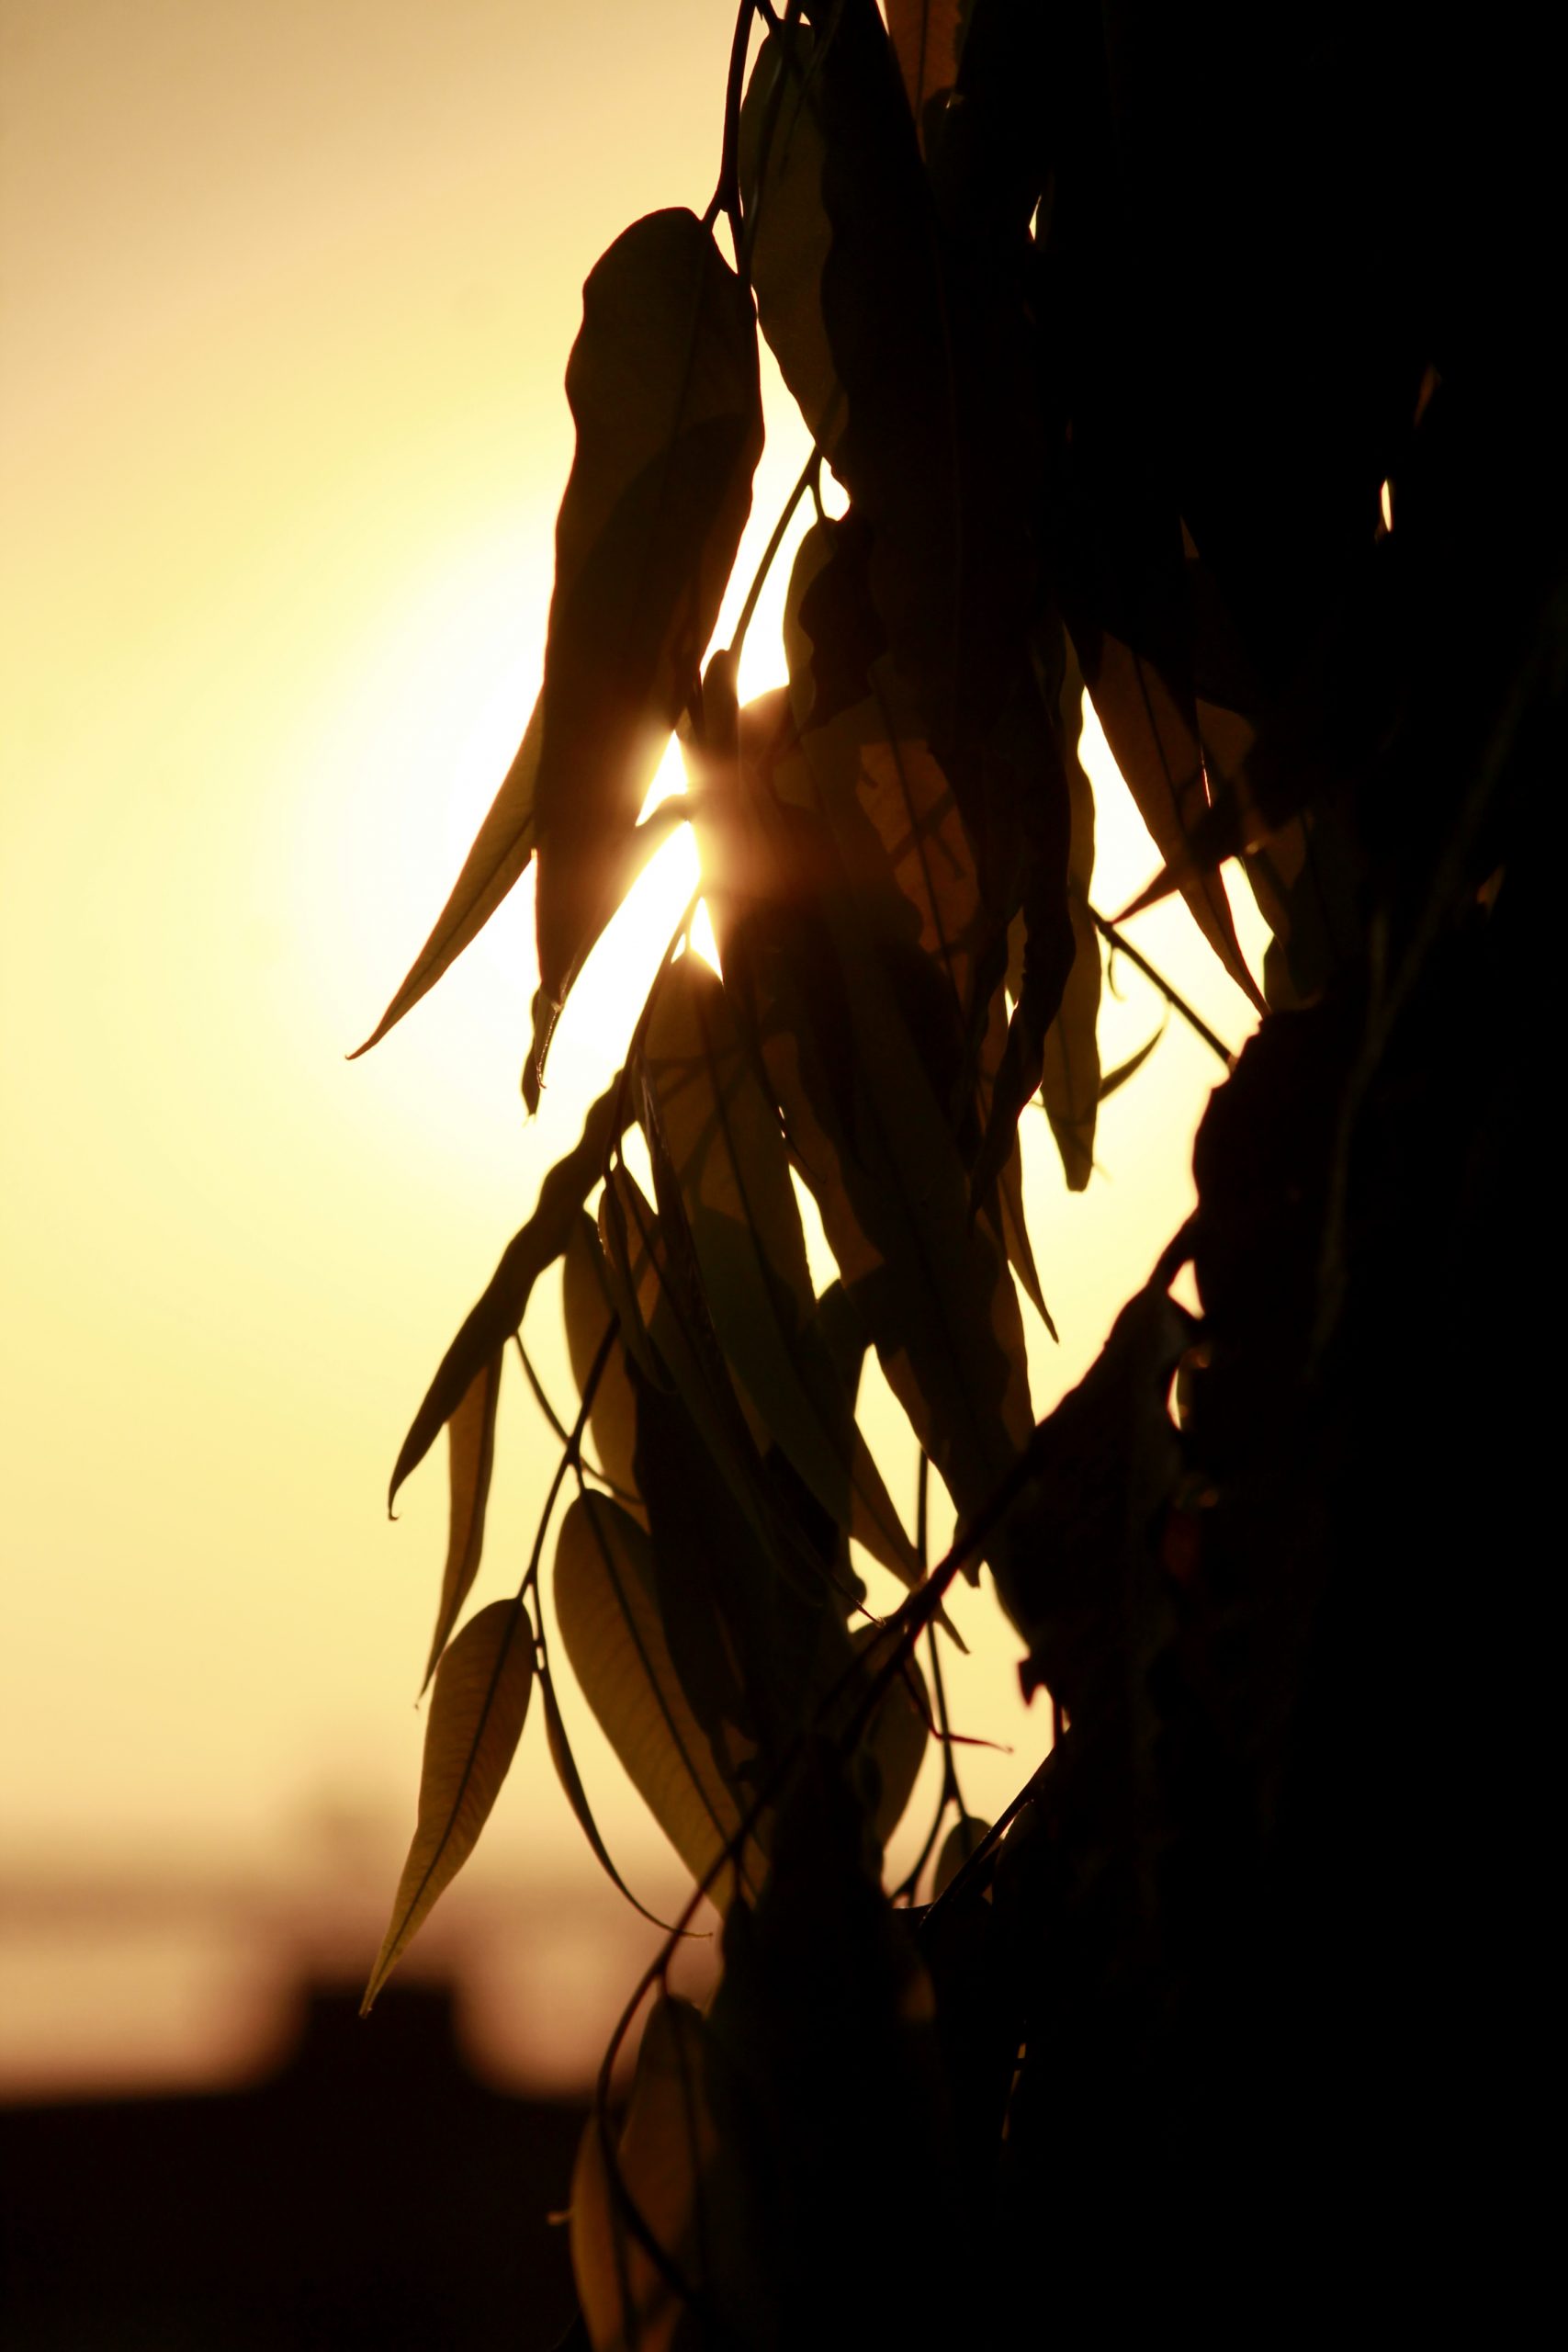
{"points": [[726, 197], [808, 481], [571, 1456]]}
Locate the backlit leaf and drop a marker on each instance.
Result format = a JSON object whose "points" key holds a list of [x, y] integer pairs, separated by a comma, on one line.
{"points": [[664, 2149], [499, 857], [607, 1606], [476, 1713], [576, 1795], [728, 1153], [1151, 727], [497, 1314], [1008, 1212], [588, 1311], [938, 443], [785, 227], [868, 1135], [470, 1438], [663, 387]]}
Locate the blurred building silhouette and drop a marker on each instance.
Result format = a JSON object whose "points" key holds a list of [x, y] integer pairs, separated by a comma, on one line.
{"points": [[370, 2192]]}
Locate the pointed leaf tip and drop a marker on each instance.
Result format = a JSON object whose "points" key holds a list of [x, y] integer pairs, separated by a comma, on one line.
{"points": [[476, 1713], [498, 859]]}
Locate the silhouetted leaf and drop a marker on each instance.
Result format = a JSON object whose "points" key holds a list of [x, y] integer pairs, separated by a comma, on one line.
{"points": [[499, 1311], [1069, 1077], [663, 387], [938, 444], [476, 1713], [1007, 1215], [499, 857], [685, 1355], [1117, 1077], [1103, 1461], [899, 1731], [1151, 727], [662, 2155], [589, 1310], [470, 1438], [866, 1132], [961, 1840], [729, 1154], [576, 1795], [785, 227], [607, 1605], [625, 857]]}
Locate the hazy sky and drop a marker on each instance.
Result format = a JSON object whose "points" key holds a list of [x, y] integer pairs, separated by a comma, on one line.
{"points": [[286, 296]]}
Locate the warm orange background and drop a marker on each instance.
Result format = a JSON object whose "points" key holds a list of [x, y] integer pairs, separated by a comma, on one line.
{"points": [[288, 291]]}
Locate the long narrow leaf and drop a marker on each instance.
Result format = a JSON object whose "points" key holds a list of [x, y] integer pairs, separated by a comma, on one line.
{"points": [[490, 1322], [470, 1438], [499, 858], [476, 1713]]}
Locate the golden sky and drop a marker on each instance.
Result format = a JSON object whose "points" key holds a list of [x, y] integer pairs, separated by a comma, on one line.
{"points": [[286, 296]]}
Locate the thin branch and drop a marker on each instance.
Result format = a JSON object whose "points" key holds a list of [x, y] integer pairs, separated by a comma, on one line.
{"points": [[540, 1398], [1139, 963], [726, 197], [808, 481], [571, 1454]]}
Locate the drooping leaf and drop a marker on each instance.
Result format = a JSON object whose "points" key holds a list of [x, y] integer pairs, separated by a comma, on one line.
{"points": [[625, 857], [786, 228], [729, 1154], [1007, 1215], [499, 857], [898, 1733], [1151, 725], [712, 1579], [961, 1840], [605, 1598], [1103, 1461], [497, 1314], [868, 1135], [663, 2157], [589, 1310], [936, 450], [663, 386], [476, 1713], [470, 1438], [1069, 1080], [1115, 1079], [576, 1795]]}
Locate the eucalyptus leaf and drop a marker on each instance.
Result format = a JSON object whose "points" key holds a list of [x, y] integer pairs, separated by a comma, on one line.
{"points": [[1069, 1077], [1151, 725], [499, 858], [786, 228], [730, 1161], [490, 1322], [607, 1606], [661, 2156], [663, 389], [477, 1712], [470, 1438]]}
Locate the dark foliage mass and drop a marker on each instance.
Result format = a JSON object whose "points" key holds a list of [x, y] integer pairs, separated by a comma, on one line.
{"points": [[1161, 354]]}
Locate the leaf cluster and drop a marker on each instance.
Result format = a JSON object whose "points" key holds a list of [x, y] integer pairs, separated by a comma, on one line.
{"points": [[1083, 442]]}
